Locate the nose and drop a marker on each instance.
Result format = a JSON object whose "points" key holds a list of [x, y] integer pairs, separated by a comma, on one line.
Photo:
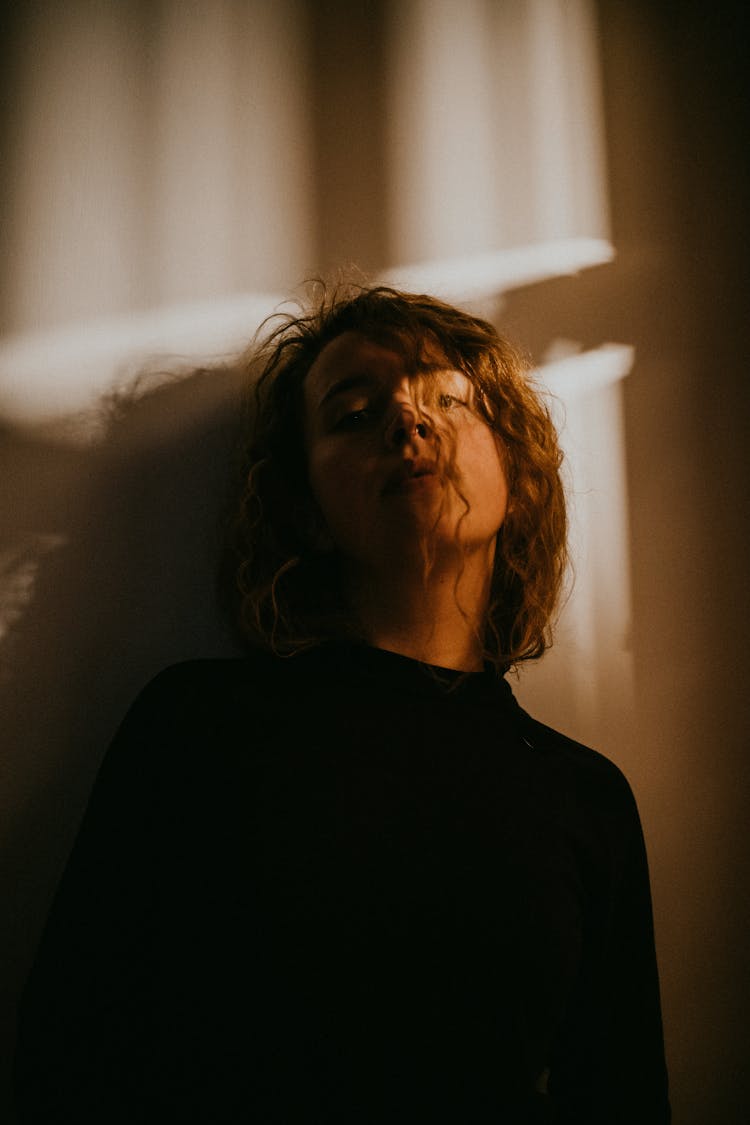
{"points": [[404, 424]]}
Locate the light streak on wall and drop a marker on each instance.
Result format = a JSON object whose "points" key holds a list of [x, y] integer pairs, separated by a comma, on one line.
{"points": [[158, 154], [495, 126], [48, 375], [587, 678], [487, 275], [566, 132]]}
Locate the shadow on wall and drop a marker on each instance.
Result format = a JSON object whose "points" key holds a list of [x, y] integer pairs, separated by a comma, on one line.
{"points": [[108, 560]]}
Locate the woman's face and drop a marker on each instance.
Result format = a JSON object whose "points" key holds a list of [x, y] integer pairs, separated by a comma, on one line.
{"points": [[379, 441]]}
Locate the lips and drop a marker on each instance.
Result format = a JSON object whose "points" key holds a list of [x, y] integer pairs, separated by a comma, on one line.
{"points": [[410, 475]]}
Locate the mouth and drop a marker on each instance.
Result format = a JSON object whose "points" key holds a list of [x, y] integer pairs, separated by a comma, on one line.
{"points": [[412, 476]]}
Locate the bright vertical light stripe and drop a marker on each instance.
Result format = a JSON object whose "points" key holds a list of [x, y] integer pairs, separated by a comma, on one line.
{"points": [[72, 168], [232, 184], [587, 132], [192, 158], [495, 126], [586, 679], [550, 120], [441, 130], [159, 153], [566, 134]]}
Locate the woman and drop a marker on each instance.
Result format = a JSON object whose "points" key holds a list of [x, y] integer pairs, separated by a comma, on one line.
{"points": [[348, 879]]}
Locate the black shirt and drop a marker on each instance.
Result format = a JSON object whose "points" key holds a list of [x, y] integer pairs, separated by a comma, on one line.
{"points": [[346, 888]]}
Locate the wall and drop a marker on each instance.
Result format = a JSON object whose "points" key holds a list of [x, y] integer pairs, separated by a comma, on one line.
{"points": [[167, 153], [677, 116]]}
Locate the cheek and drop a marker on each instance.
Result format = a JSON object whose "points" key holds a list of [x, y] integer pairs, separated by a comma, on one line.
{"points": [[322, 475], [336, 490], [484, 474]]}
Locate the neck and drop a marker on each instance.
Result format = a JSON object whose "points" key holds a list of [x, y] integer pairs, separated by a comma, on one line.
{"points": [[436, 617]]}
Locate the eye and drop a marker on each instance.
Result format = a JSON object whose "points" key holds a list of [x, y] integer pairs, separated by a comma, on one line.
{"points": [[354, 420], [449, 402]]}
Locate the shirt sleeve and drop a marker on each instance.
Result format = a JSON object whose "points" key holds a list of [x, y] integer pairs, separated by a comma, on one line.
{"points": [[610, 1065], [81, 1025]]}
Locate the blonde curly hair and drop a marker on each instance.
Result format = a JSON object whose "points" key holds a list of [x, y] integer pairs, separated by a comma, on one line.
{"points": [[289, 592]]}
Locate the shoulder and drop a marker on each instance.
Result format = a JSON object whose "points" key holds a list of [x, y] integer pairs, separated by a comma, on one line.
{"points": [[595, 800], [201, 680], [589, 773], [184, 701]]}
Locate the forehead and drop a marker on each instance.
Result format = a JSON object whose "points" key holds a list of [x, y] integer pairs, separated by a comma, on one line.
{"points": [[352, 354]]}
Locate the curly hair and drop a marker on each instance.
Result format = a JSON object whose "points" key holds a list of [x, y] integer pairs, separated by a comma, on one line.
{"points": [[289, 589]]}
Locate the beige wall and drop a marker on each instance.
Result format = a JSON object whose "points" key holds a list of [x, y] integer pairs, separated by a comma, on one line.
{"points": [[677, 115], [141, 170], [676, 111]]}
